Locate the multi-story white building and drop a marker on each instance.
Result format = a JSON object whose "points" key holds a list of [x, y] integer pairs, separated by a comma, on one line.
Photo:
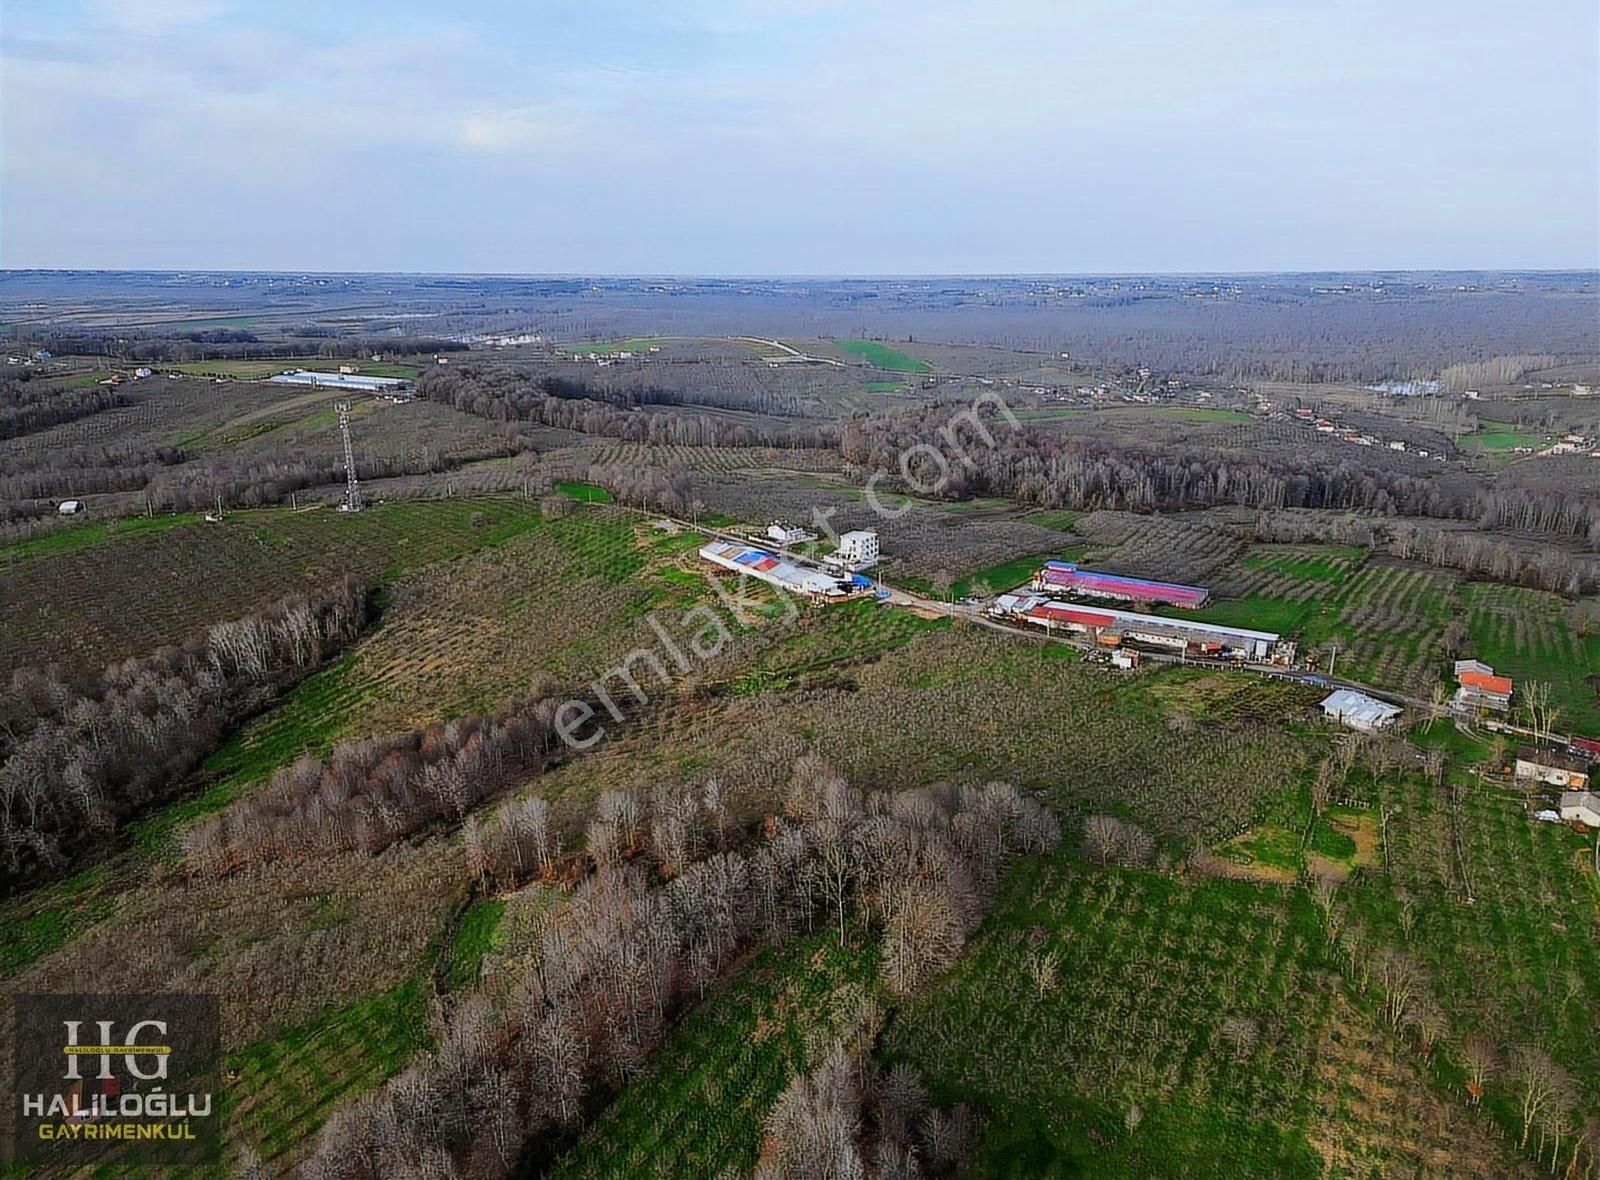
{"points": [[858, 550]]}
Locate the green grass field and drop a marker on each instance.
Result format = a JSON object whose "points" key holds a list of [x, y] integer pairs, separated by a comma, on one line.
{"points": [[34, 924], [1205, 414], [1117, 1063], [1330, 563], [309, 719], [1257, 612], [999, 579], [475, 938], [841, 634], [585, 493], [1500, 436], [1388, 620], [282, 1089], [881, 356], [1515, 962], [88, 535]]}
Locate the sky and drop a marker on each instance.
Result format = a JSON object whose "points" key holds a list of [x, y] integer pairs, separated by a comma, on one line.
{"points": [[800, 136]]}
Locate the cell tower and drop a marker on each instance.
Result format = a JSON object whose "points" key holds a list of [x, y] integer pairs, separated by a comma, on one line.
{"points": [[352, 489]]}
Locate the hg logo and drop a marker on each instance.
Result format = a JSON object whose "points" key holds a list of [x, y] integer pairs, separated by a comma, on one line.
{"points": [[106, 1047]]}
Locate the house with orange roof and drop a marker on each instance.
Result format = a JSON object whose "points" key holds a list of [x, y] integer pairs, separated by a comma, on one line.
{"points": [[1478, 687]]}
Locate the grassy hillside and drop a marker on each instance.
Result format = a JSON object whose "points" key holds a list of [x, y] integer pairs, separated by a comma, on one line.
{"points": [[881, 356]]}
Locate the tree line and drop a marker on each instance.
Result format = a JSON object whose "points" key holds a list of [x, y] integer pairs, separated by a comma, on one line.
{"points": [[506, 395], [219, 344], [370, 793], [941, 448], [25, 410], [1038, 468], [673, 893], [1474, 554], [80, 757]]}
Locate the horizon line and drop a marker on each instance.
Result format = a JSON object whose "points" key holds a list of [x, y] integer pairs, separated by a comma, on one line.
{"points": [[801, 275]]}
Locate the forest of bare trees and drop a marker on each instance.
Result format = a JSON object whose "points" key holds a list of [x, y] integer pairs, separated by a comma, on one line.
{"points": [[673, 894], [851, 1119], [367, 794], [81, 757], [82, 471], [156, 346], [1035, 467], [1038, 468], [28, 406], [507, 395]]}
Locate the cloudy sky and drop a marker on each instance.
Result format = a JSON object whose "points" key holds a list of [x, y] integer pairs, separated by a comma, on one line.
{"points": [[800, 136]]}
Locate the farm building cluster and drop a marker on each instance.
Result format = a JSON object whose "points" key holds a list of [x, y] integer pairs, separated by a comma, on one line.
{"points": [[1567, 771], [1113, 628], [1048, 602], [787, 576]]}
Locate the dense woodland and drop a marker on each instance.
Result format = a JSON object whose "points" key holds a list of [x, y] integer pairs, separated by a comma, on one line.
{"points": [[939, 451], [507, 395], [79, 758], [153, 346], [25, 408]]}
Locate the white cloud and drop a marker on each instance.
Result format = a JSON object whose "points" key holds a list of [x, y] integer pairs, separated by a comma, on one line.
{"points": [[150, 15], [514, 129]]}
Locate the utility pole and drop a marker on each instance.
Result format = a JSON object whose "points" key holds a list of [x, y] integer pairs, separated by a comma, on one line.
{"points": [[352, 490]]}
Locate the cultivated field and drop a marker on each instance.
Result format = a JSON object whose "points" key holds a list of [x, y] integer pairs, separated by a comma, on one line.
{"points": [[134, 589]]}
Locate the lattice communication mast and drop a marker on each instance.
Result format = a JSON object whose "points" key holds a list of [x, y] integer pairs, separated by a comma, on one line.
{"points": [[352, 489]]}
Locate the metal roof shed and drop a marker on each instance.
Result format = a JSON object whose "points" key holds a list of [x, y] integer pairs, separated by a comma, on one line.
{"points": [[1359, 711]]}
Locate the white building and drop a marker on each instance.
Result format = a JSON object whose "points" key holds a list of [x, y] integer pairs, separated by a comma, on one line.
{"points": [[1359, 711], [857, 550], [1581, 807], [1554, 768], [1015, 604], [783, 534], [341, 381]]}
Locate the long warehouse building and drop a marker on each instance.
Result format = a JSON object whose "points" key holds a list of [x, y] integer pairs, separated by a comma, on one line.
{"points": [[1114, 626], [1067, 577], [778, 571]]}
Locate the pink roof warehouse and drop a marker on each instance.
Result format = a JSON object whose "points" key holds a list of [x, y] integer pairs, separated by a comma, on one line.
{"points": [[1065, 575]]}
